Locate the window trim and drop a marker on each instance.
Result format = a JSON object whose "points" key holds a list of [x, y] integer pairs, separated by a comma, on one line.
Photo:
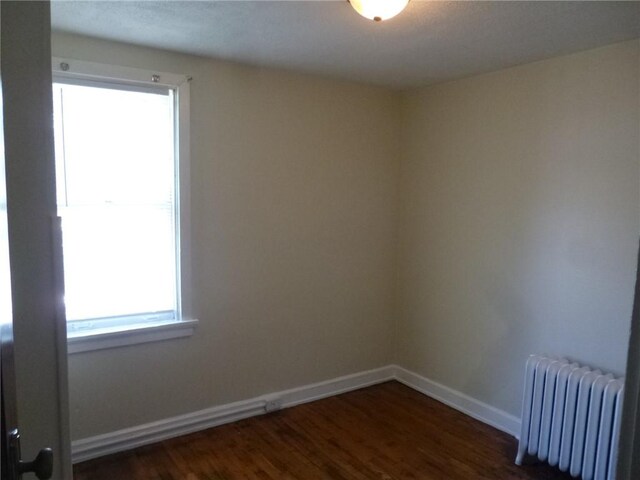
{"points": [[132, 334], [103, 335]]}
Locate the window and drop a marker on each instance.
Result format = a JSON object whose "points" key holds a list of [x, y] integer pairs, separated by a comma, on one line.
{"points": [[120, 173]]}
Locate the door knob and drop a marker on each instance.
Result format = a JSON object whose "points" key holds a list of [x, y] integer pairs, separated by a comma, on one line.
{"points": [[41, 466]]}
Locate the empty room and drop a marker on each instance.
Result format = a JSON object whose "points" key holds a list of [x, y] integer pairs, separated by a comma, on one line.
{"points": [[365, 239]]}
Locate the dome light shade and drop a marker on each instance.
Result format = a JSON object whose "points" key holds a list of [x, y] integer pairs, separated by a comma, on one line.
{"points": [[378, 10]]}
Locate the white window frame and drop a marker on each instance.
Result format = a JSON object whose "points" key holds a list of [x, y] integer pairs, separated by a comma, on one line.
{"points": [[116, 332]]}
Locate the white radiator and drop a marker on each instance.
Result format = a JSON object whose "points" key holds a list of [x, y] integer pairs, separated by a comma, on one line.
{"points": [[571, 417]]}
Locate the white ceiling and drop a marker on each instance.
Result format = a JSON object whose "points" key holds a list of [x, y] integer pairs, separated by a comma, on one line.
{"points": [[429, 42]]}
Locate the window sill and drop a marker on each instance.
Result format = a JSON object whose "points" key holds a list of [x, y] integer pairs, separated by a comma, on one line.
{"points": [[112, 337]]}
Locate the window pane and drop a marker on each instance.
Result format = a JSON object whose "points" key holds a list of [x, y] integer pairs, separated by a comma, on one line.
{"points": [[115, 164], [118, 146]]}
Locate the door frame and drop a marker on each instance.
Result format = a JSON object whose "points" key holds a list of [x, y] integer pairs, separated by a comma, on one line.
{"points": [[628, 463], [34, 232]]}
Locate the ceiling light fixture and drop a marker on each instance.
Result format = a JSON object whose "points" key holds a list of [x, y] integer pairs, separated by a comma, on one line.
{"points": [[378, 10]]}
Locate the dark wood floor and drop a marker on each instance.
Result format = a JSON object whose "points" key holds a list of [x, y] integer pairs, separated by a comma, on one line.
{"points": [[383, 432]]}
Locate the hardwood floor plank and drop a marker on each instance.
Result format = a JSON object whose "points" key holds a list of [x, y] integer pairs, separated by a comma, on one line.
{"points": [[384, 432]]}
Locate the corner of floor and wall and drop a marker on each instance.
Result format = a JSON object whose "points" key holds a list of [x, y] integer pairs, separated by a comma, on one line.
{"points": [[347, 235], [520, 221]]}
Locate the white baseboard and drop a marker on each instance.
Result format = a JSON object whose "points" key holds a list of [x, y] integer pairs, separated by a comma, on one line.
{"points": [[470, 406], [148, 433]]}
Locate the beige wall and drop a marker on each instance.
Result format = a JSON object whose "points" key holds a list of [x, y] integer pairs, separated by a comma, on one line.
{"points": [[519, 222], [294, 196], [507, 205]]}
